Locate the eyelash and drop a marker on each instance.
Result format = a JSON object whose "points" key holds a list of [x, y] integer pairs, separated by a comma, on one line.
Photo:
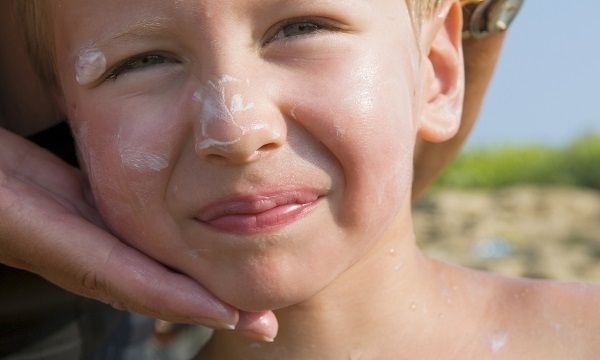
{"points": [[131, 64], [317, 27]]}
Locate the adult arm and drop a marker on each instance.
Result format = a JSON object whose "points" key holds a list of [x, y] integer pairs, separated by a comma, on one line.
{"points": [[481, 56]]}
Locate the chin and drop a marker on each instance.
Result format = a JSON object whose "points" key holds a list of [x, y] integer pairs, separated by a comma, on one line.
{"points": [[263, 285], [270, 297], [255, 301]]}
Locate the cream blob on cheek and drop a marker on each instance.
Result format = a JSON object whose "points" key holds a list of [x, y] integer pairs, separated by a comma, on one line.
{"points": [[217, 115], [89, 66]]}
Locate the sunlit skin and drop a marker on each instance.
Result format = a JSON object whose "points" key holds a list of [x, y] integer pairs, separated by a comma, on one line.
{"points": [[213, 102]]}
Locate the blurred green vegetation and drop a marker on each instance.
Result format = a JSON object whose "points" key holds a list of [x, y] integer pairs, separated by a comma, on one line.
{"points": [[577, 165]]}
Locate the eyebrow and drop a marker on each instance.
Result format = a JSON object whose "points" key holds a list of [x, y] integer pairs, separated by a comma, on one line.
{"points": [[143, 28]]}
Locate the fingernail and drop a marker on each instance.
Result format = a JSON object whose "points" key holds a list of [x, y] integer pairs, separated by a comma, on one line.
{"points": [[214, 323], [255, 336], [224, 315]]}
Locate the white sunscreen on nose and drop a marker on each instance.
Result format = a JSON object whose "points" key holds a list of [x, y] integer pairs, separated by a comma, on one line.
{"points": [[215, 108], [90, 65]]}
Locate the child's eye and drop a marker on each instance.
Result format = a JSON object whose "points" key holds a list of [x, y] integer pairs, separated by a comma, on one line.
{"points": [[297, 28], [139, 63]]}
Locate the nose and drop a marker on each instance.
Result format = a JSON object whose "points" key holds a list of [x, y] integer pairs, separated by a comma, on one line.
{"points": [[235, 124]]}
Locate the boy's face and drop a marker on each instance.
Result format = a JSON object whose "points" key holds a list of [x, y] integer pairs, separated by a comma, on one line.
{"points": [[262, 147]]}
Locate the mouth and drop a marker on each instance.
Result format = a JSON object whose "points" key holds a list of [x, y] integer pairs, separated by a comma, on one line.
{"points": [[259, 213]]}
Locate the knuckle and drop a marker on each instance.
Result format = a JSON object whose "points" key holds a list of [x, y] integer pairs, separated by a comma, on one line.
{"points": [[8, 199], [91, 282], [118, 305], [152, 306]]}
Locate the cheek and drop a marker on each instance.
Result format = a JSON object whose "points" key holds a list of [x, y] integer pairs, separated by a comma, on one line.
{"points": [[128, 145], [366, 121]]}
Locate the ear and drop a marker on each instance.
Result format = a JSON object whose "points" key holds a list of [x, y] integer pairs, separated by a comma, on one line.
{"points": [[443, 74]]}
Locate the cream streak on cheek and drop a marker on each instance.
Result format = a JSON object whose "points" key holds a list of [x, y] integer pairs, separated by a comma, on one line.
{"points": [[89, 66], [143, 161], [137, 156]]}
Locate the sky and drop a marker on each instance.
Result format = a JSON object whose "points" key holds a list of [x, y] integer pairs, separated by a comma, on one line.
{"points": [[546, 89]]}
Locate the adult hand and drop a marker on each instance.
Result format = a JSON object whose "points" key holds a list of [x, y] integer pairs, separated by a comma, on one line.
{"points": [[49, 228]]}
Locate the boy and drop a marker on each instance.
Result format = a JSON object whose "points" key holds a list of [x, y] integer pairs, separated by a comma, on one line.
{"points": [[265, 149]]}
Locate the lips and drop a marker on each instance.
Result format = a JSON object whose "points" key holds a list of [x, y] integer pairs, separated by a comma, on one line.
{"points": [[258, 213]]}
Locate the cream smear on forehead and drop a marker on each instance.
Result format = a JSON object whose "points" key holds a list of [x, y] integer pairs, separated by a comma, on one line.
{"points": [[89, 66], [215, 108]]}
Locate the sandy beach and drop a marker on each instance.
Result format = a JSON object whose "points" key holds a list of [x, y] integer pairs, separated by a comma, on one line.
{"points": [[538, 232]]}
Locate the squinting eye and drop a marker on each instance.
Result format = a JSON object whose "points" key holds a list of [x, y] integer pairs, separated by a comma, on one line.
{"points": [[139, 63], [297, 29]]}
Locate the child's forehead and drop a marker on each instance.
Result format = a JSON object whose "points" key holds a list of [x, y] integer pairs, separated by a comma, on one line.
{"points": [[82, 23], [81, 19], [94, 10]]}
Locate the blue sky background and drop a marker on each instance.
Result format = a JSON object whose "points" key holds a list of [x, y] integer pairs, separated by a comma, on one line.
{"points": [[547, 85]]}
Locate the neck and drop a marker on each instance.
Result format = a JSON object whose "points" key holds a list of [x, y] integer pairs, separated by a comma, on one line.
{"points": [[391, 303]]}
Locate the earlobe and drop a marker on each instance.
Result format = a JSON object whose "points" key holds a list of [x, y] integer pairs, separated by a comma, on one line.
{"points": [[443, 74]]}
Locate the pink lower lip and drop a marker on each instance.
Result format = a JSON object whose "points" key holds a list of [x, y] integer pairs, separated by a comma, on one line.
{"points": [[256, 221]]}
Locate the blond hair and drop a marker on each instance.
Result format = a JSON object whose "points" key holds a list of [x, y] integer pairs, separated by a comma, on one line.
{"points": [[40, 38]]}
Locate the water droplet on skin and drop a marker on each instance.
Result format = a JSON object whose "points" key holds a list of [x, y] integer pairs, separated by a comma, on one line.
{"points": [[557, 327], [498, 342], [413, 306], [392, 251], [355, 355]]}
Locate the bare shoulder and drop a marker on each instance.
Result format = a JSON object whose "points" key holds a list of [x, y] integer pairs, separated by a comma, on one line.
{"points": [[577, 303], [539, 319], [556, 319]]}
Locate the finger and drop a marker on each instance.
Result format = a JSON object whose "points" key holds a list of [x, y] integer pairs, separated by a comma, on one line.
{"points": [[260, 326], [87, 260], [40, 166], [147, 287]]}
